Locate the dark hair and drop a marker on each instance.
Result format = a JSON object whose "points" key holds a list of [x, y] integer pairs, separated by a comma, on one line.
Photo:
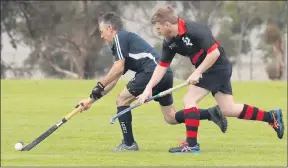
{"points": [[164, 14], [111, 18]]}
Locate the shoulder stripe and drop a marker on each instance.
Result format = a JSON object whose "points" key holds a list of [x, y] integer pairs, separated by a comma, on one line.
{"points": [[118, 47]]}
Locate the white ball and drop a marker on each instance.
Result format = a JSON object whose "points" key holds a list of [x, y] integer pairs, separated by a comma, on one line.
{"points": [[19, 146]]}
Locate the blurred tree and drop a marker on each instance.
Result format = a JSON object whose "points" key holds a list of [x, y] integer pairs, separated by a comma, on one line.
{"points": [[9, 14], [65, 41], [273, 37], [3, 70], [63, 35], [247, 15], [8, 22], [140, 14], [244, 17]]}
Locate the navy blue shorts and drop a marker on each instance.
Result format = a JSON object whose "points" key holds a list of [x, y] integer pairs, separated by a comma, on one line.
{"points": [[217, 79], [138, 84]]}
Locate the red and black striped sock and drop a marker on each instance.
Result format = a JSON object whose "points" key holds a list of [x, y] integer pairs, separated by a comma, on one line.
{"points": [[254, 113], [192, 121]]}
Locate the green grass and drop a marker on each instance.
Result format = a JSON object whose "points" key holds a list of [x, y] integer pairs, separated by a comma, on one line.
{"points": [[29, 107]]}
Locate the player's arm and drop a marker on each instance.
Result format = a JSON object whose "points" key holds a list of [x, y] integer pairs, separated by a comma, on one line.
{"points": [[160, 70], [99, 90], [121, 45], [91, 99], [115, 72], [158, 74], [110, 86], [210, 46]]}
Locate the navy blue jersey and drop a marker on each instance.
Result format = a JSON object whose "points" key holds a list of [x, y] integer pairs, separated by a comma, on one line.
{"points": [[138, 54], [194, 40]]}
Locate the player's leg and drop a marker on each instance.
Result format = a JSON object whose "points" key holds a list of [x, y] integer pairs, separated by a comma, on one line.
{"points": [[166, 102], [123, 101], [172, 117], [226, 103], [192, 119], [213, 114], [134, 88], [211, 81], [248, 112]]}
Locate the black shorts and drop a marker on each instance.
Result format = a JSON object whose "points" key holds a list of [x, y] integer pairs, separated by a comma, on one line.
{"points": [[138, 84], [217, 79]]}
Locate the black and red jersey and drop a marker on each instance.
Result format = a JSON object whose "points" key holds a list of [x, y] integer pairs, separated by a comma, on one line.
{"points": [[194, 40]]}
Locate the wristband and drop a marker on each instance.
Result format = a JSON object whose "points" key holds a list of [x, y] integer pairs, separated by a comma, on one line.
{"points": [[97, 91]]}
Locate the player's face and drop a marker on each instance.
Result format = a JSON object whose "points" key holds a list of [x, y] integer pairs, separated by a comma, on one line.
{"points": [[106, 32], [163, 29]]}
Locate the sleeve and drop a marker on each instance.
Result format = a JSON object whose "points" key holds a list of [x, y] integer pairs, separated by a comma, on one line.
{"points": [[167, 55], [207, 41], [121, 46]]}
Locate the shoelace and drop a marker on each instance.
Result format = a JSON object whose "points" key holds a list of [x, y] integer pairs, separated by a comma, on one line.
{"points": [[186, 149], [182, 143], [185, 146], [275, 123]]}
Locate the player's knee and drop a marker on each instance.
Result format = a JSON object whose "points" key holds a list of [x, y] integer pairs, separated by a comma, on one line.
{"points": [[189, 102], [227, 109], [225, 103], [169, 113], [170, 119], [224, 109], [120, 101]]}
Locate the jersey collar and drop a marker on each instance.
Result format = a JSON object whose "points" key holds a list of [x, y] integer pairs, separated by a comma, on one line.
{"points": [[113, 43], [181, 27]]}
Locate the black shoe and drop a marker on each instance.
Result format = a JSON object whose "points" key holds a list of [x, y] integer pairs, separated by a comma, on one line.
{"points": [[218, 118]]}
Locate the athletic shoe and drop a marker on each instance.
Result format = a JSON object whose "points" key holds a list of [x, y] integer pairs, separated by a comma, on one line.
{"points": [[277, 124], [218, 118], [124, 147], [184, 148]]}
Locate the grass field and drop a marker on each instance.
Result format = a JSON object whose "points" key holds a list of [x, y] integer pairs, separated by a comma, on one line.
{"points": [[30, 107]]}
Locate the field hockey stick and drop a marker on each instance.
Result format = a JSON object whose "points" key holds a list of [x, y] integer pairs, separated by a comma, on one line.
{"points": [[52, 129], [161, 94]]}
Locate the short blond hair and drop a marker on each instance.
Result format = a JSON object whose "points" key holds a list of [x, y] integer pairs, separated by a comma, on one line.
{"points": [[164, 14]]}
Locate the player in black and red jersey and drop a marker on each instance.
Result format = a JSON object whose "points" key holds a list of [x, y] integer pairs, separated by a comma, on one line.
{"points": [[212, 74]]}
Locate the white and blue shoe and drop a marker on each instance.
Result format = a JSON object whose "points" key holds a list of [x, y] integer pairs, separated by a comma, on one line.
{"points": [[185, 148]]}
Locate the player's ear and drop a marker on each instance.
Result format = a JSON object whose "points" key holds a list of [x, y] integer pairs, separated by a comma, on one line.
{"points": [[109, 27], [167, 24]]}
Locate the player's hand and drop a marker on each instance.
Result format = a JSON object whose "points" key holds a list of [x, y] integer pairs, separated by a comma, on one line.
{"points": [[194, 78], [86, 104], [145, 95]]}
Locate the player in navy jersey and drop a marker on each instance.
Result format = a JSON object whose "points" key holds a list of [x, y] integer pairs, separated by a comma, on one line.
{"points": [[131, 52], [212, 74]]}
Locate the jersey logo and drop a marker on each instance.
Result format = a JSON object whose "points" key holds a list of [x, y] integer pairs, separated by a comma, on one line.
{"points": [[172, 45], [186, 40]]}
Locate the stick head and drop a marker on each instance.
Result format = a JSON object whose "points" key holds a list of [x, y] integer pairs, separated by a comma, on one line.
{"points": [[112, 121], [25, 149]]}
